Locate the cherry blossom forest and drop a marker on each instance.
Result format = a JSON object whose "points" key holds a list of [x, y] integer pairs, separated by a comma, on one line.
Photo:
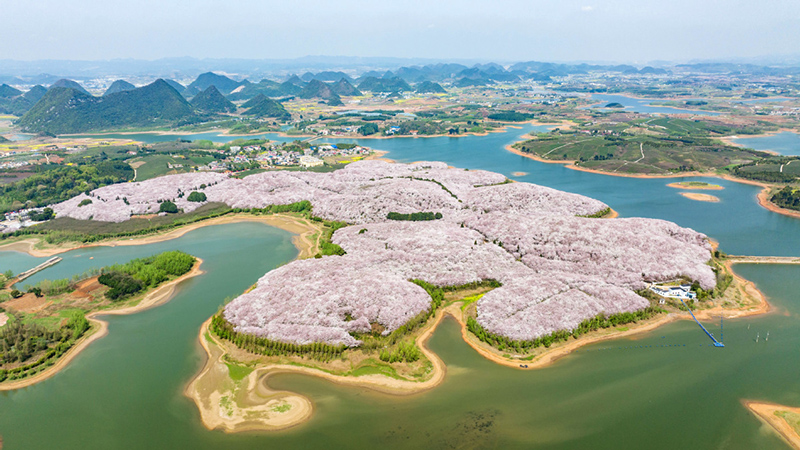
{"points": [[556, 267]]}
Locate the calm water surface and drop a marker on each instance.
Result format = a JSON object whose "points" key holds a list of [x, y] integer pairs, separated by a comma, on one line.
{"points": [[644, 105], [667, 389], [784, 143]]}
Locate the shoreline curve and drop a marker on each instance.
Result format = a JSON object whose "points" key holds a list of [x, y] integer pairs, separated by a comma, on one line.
{"points": [[157, 297], [393, 386], [763, 199], [765, 412]]}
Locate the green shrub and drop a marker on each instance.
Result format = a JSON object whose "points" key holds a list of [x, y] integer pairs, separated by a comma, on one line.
{"points": [[196, 196], [168, 207], [122, 285]]}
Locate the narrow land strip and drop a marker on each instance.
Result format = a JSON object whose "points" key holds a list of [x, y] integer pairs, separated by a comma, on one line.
{"points": [[99, 328], [774, 416]]}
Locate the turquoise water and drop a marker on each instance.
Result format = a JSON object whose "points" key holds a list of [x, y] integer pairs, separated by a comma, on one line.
{"points": [[784, 143], [664, 390], [643, 105]]}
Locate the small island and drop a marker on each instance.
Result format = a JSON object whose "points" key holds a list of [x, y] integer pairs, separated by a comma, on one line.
{"points": [[695, 185], [700, 197]]}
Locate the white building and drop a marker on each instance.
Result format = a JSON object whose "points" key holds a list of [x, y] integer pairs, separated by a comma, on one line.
{"points": [[683, 292], [310, 161]]}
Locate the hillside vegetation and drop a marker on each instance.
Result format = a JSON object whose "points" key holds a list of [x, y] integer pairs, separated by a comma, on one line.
{"points": [[66, 110]]}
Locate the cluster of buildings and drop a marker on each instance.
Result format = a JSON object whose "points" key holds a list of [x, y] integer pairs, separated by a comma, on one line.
{"points": [[31, 161], [14, 164], [276, 156], [14, 220]]}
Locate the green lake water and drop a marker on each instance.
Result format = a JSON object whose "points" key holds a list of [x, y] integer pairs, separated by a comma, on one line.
{"points": [[666, 389]]}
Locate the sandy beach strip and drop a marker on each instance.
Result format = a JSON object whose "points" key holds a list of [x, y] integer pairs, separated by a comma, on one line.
{"points": [[706, 187], [700, 197], [763, 200], [766, 413]]}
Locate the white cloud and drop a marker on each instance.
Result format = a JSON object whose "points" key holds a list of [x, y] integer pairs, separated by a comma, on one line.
{"points": [[587, 8]]}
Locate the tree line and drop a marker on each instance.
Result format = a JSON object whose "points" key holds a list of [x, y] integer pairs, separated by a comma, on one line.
{"points": [[125, 280], [414, 217], [263, 346], [61, 183], [787, 197], [20, 341], [523, 346]]}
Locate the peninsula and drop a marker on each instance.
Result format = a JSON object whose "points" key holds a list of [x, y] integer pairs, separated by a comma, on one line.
{"points": [[525, 269]]}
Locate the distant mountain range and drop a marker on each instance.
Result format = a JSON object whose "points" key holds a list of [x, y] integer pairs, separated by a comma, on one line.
{"points": [[15, 102], [67, 107], [68, 110]]}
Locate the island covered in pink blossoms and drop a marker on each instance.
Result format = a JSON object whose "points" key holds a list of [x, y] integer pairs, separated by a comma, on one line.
{"points": [[555, 266]]}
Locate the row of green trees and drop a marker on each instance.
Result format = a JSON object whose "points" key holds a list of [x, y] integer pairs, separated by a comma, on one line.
{"points": [[20, 341], [511, 116], [414, 217], [263, 346], [60, 183], [403, 352], [129, 278], [598, 214], [523, 346]]}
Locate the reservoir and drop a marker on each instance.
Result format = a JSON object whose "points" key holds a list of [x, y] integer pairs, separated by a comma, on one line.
{"points": [[663, 390], [785, 143], [644, 105]]}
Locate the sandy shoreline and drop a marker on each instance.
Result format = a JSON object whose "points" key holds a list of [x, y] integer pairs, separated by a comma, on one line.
{"points": [[710, 187], [763, 199], [160, 295], [212, 418], [700, 197], [765, 412], [731, 140], [286, 223]]}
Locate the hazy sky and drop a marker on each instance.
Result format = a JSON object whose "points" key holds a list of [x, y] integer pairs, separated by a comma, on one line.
{"points": [[553, 30]]}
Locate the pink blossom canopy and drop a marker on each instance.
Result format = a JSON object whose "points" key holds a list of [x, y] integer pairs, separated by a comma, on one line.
{"points": [[556, 269]]}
